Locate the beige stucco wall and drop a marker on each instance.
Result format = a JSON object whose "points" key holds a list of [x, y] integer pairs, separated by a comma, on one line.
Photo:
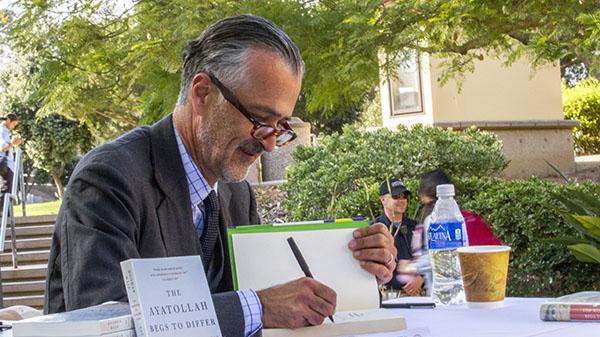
{"points": [[494, 92], [523, 107]]}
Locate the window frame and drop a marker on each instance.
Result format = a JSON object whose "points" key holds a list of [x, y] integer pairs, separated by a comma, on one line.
{"points": [[399, 112]]}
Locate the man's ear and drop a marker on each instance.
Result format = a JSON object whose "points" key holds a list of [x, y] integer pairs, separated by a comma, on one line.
{"points": [[200, 88]]}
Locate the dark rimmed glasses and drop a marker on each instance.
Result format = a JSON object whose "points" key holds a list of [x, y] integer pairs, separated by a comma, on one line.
{"points": [[284, 135]]}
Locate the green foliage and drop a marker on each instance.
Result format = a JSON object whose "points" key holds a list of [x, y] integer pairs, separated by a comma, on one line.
{"points": [[340, 177], [523, 215], [370, 115], [114, 68], [582, 102], [51, 142], [54, 144], [582, 212]]}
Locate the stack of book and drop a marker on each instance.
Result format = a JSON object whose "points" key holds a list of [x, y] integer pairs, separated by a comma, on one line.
{"points": [[111, 319], [582, 306]]}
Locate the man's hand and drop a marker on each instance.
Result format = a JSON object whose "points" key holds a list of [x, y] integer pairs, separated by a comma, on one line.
{"points": [[374, 247], [295, 304], [17, 141], [413, 288]]}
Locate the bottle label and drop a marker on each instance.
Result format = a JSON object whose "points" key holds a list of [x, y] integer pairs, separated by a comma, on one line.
{"points": [[445, 235]]}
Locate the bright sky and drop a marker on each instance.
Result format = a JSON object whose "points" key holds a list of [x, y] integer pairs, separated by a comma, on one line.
{"points": [[5, 56]]}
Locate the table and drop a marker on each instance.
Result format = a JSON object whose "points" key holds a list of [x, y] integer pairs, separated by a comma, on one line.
{"points": [[519, 317]]}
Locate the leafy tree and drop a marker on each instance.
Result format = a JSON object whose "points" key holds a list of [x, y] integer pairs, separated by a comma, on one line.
{"points": [[582, 103], [52, 142], [116, 67]]}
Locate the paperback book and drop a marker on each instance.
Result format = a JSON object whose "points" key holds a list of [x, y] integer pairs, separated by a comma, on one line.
{"points": [[169, 297], [582, 306], [111, 319], [262, 257]]}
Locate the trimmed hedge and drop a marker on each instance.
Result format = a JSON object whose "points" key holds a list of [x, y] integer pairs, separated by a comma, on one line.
{"points": [[582, 102], [340, 177], [523, 215]]}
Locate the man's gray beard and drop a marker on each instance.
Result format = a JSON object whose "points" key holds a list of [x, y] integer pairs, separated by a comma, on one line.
{"points": [[229, 177], [225, 174]]}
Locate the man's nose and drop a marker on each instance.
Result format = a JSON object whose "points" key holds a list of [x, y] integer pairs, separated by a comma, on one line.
{"points": [[269, 143]]}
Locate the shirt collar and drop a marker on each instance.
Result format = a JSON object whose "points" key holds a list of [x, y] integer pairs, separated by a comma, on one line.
{"points": [[197, 185]]}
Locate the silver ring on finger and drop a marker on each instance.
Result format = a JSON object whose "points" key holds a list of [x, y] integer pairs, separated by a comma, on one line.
{"points": [[390, 260]]}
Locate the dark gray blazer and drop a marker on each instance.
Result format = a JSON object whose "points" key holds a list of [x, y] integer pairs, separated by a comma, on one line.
{"points": [[238, 203], [128, 199]]}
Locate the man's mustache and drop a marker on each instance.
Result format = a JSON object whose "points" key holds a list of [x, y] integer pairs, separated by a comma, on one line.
{"points": [[252, 147]]}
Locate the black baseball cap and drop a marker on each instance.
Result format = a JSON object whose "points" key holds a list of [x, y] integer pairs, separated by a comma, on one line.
{"points": [[393, 186]]}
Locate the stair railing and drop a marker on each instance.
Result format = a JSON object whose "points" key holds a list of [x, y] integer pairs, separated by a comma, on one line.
{"points": [[11, 198]]}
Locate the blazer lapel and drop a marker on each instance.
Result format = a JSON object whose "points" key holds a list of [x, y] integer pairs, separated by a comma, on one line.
{"points": [[224, 193], [174, 211]]}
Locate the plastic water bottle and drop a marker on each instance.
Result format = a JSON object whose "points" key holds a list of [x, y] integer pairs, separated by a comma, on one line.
{"points": [[446, 233]]}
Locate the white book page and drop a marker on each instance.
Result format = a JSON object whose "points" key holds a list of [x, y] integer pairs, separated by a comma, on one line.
{"points": [[175, 298], [347, 323], [266, 259]]}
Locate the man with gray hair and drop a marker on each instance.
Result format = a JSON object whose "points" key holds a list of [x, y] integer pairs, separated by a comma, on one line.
{"points": [[150, 192]]}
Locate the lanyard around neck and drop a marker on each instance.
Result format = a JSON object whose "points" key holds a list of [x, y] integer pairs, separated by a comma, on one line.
{"points": [[391, 226]]}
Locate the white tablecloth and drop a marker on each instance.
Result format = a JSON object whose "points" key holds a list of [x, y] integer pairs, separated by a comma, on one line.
{"points": [[519, 317]]}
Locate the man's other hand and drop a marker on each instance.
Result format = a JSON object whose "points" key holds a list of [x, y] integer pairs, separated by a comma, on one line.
{"points": [[374, 247], [413, 288], [295, 304]]}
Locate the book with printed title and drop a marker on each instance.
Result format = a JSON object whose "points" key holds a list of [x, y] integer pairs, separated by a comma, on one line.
{"points": [[170, 297], [261, 258], [111, 319], [581, 306]]}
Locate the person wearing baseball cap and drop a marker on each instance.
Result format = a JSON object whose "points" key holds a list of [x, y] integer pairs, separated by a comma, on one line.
{"points": [[394, 196]]}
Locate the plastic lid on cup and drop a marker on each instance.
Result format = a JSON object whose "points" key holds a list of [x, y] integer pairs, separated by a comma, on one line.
{"points": [[445, 190]]}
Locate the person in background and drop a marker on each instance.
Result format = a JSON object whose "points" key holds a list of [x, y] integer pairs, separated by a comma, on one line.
{"points": [[478, 231], [7, 158], [394, 199]]}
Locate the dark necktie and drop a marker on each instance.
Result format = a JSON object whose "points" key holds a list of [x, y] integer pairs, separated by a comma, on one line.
{"points": [[211, 227]]}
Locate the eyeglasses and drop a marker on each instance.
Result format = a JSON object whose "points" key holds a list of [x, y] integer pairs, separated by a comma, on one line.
{"points": [[260, 131]]}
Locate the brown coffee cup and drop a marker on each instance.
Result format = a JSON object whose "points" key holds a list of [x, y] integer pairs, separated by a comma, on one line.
{"points": [[484, 270]]}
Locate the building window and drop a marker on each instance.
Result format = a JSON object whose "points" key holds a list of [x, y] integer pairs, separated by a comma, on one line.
{"points": [[405, 87]]}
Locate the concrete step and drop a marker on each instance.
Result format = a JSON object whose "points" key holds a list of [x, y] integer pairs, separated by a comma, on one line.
{"points": [[26, 257], [35, 220], [18, 288], [25, 272], [29, 244], [31, 231], [36, 301]]}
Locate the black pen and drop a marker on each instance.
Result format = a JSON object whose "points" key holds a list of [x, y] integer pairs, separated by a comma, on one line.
{"points": [[301, 262], [408, 305]]}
